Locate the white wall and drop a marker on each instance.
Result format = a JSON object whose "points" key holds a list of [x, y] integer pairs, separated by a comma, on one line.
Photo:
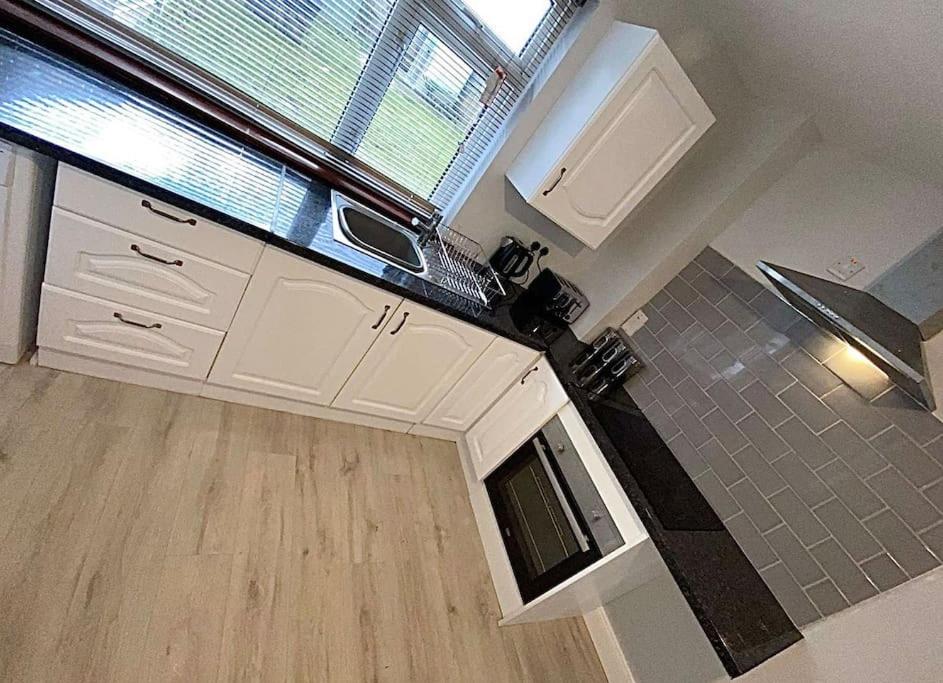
{"points": [[832, 205]]}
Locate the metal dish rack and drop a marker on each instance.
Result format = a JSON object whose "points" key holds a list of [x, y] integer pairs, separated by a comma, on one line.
{"points": [[457, 263]]}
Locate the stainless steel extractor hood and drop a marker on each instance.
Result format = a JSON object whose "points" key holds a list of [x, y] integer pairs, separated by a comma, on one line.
{"points": [[887, 337]]}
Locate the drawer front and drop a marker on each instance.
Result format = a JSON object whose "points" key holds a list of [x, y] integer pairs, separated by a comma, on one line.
{"points": [[93, 197], [88, 326], [6, 163], [90, 257]]}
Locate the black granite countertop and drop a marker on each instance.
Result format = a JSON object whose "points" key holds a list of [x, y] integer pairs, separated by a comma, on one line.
{"points": [[81, 118]]}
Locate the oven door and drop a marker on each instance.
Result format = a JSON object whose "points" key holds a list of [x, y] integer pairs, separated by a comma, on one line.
{"points": [[546, 537]]}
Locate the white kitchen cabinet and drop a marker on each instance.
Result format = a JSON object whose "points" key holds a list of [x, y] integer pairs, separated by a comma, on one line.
{"points": [[93, 258], [300, 330], [87, 326], [414, 363], [627, 118], [502, 363], [526, 406]]}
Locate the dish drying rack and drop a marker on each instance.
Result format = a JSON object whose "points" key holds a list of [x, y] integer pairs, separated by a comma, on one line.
{"points": [[457, 263]]}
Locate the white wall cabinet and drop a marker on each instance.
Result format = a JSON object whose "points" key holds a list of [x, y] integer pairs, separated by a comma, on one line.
{"points": [[626, 119], [415, 362], [301, 330], [524, 408], [502, 362]]}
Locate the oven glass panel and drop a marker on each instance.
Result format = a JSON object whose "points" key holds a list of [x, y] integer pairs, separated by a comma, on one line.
{"points": [[544, 534], [538, 518]]}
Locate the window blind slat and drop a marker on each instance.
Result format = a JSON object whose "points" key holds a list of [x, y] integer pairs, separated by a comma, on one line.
{"points": [[394, 83]]}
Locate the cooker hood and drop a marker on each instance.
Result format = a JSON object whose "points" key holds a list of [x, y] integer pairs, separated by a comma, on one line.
{"points": [[887, 337]]}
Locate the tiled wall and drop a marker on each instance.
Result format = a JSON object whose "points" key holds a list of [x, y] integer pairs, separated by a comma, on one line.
{"points": [[834, 498]]}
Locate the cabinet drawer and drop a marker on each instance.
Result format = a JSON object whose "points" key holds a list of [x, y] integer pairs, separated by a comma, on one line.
{"points": [[524, 408], [90, 257], [135, 212], [502, 363], [6, 163], [88, 326]]}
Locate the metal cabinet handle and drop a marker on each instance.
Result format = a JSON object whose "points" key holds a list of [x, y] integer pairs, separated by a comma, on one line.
{"points": [[401, 323], [527, 374], [561, 497], [386, 309], [152, 326], [176, 262], [163, 214], [555, 182]]}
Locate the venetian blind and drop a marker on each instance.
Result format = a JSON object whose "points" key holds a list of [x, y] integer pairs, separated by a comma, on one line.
{"points": [[391, 88]]}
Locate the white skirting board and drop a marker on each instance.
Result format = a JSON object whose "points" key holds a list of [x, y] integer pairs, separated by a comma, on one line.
{"points": [[57, 360], [301, 408], [607, 647], [435, 432], [68, 362]]}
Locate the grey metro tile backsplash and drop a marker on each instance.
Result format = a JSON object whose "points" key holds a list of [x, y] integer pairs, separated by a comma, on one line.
{"points": [[832, 496]]}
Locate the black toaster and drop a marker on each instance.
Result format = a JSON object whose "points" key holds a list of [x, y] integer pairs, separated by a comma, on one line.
{"points": [[556, 297]]}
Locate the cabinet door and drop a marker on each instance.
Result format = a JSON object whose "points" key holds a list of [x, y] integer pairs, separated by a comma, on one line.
{"points": [[517, 415], [414, 363], [502, 363], [300, 330], [642, 130]]}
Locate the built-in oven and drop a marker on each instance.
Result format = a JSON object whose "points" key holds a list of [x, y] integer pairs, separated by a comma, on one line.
{"points": [[552, 519]]}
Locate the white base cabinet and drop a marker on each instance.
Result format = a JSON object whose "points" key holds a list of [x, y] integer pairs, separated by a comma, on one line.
{"points": [[301, 330], [502, 363], [627, 118], [524, 409], [140, 290], [412, 366]]}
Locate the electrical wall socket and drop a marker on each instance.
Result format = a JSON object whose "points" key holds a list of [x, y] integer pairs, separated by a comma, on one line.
{"points": [[846, 268], [635, 322]]}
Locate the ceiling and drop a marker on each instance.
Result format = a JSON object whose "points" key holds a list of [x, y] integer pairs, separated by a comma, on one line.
{"points": [[869, 72]]}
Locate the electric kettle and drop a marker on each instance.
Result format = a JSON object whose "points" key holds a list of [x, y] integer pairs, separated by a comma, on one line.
{"points": [[513, 258]]}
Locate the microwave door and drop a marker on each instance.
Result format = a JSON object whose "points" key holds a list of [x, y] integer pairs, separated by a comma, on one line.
{"points": [[561, 497]]}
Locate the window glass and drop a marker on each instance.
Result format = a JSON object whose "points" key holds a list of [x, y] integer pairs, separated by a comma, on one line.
{"points": [[513, 22]]}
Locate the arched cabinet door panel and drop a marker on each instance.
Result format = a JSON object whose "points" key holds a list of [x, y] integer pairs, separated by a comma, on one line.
{"points": [[502, 363], [526, 407], [413, 364], [300, 330]]}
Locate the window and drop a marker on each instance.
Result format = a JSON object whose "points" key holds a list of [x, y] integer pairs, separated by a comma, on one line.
{"points": [[394, 88]]}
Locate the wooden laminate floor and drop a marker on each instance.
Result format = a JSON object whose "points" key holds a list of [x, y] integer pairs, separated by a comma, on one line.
{"points": [[146, 535]]}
